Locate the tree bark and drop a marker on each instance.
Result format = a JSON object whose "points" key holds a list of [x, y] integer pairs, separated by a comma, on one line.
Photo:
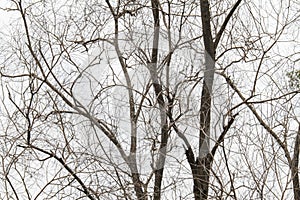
{"points": [[131, 159], [159, 166], [295, 166], [203, 162], [202, 165]]}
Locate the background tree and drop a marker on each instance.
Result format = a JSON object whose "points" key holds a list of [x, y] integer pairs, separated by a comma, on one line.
{"points": [[149, 100]]}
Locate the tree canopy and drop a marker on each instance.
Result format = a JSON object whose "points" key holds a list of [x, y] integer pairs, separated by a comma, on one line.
{"points": [[150, 99]]}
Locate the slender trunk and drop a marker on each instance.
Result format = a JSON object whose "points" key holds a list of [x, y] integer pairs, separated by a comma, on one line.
{"points": [[131, 159], [201, 171], [204, 161], [295, 167], [205, 107], [202, 165], [141, 195], [159, 167]]}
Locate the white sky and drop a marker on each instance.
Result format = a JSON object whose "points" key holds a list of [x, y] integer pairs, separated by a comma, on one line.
{"points": [[6, 16]]}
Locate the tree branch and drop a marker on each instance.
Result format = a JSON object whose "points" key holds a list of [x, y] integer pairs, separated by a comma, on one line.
{"points": [[222, 29], [221, 137], [64, 164]]}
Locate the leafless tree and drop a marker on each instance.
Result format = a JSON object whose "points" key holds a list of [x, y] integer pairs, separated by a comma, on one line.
{"points": [[150, 99]]}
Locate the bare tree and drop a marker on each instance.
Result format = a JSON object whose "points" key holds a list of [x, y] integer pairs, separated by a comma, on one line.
{"points": [[149, 100]]}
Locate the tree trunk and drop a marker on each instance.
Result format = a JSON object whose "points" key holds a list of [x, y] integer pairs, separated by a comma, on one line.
{"points": [[203, 162], [159, 166], [201, 171], [295, 166]]}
